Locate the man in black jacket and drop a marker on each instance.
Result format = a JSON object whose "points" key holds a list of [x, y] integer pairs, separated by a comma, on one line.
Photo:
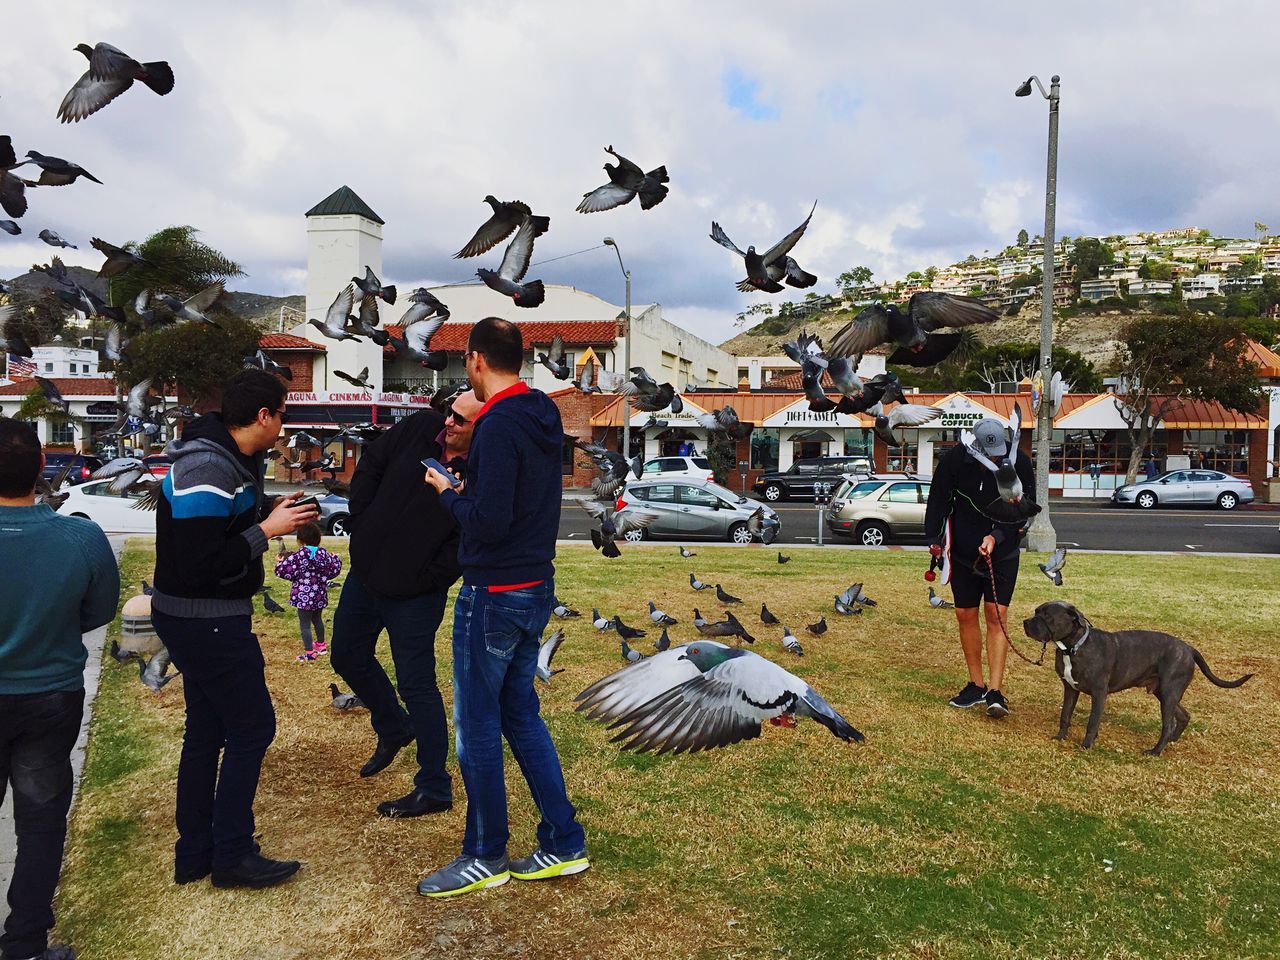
{"points": [[963, 500], [404, 559], [212, 528]]}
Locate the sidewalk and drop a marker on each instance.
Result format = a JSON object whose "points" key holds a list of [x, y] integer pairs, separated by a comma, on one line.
{"points": [[93, 642]]}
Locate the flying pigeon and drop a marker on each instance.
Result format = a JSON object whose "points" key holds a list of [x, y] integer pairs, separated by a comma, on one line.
{"points": [[724, 420], [698, 584], [764, 271], [805, 347], [193, 308], [360, 380], [913, 331], [9, 227], [663, 642], [630, 655], [819, 628], [724, 597], [555, 361], [686, 553], [766, 617], [13, 195], [261, 361], [586, 378], [118, 259], [1052, 568], [626, 632], [11, 342], [50, 492], [881, 389], [703, 695], [626, 180], [335, 318], [600, 623], [371, 286], [111, 72], [56, 172], [546, 650], [902, 415], [855, 595], [54, 240], [757, 527], [653, 423], [782, 558], [419, 328], [562, 611], [844, 609], [53, 394], [790, 643], [153, 672], [366, 322], [269, 604], [507, 216], [612, 525], [343, 701], [659, 617], [937, 601], [515, 264], [730, 626]]}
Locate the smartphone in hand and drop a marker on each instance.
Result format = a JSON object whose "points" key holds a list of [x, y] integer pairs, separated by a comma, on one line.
{"points": [[309, 501], [431, 463]]}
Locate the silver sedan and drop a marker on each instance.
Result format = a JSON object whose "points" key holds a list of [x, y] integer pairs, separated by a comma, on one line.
{"points": [[689, 509], [1187, 488]]}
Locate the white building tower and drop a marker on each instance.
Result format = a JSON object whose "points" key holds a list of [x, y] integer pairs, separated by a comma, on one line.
{"points": [[344, 236]]}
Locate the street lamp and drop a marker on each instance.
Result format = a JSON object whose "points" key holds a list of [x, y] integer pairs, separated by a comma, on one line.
{"points": [[1041, 536], [626, 350]]}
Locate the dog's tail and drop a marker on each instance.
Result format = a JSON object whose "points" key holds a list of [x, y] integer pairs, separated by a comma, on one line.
{"points": [[1217, 681]]}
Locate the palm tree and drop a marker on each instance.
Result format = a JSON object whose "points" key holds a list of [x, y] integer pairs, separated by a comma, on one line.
{"points": [[177, 263]]}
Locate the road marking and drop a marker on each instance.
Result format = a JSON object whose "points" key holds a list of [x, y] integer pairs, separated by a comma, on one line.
{"points": [[1067, 543], [1251, 526], [1192, 546]]}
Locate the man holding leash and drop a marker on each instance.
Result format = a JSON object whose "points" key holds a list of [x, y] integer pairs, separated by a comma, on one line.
{"points": [[979, 554]]}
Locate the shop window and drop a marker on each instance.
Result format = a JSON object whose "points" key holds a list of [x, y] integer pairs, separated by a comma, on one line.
{"points": [[858, 442], [902, 459], [1225, 450], [62, 433], [764, 449], [1076, 452]]}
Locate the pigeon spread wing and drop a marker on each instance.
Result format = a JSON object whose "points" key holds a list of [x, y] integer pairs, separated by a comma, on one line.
{"points": [[605, 198], [206, 298], [783, 246], [722, 238], [868, 329], [108, 76], [496, 229], [340, 309], [932, 311], [619, 693], [515, 262]]}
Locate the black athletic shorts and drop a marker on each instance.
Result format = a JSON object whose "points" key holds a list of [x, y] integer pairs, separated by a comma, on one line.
{"points": [[969, 587]]}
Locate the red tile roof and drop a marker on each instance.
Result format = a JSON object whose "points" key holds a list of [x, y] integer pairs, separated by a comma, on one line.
{"points": [[67, 386], [1268, 360], [575, 333], [287, 341]]}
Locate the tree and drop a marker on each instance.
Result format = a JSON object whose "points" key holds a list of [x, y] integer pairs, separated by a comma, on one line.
{"points": [[39, 320], [1087, 256], [1249, 265], [1022, 237], [1155, 269], [1261, 229], [762, 310], [930, 273], [853, 279], [177, 263], [193, 358], [1164, 360], [723, 456], [999, 362]]}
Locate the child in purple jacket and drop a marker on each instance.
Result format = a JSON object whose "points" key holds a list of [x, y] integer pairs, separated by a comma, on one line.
{"points": [[310, 567]]}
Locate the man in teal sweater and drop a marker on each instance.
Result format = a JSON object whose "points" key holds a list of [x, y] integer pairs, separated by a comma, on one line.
{"points": [[60, 580]]}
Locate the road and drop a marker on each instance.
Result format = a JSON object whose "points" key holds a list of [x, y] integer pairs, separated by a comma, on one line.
{"points": [[1083, 526]]}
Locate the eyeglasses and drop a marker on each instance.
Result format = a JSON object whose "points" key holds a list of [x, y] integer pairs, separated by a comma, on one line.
{"points": [[458, 418], [282, 414]]}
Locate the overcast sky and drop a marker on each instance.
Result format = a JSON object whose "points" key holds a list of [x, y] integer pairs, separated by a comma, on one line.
{"points": [[899, 120]]}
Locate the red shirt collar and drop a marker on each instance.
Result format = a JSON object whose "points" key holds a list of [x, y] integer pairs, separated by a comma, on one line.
{"points": [[518, 387]]}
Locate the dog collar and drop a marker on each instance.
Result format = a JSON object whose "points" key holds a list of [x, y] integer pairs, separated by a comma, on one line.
{"points": [[1072, 650]]}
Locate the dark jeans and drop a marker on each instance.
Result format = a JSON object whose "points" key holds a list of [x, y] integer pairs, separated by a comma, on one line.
{"points": [[229, 716], [411, 624], [37, 732], [495, 651], [307, 621]]}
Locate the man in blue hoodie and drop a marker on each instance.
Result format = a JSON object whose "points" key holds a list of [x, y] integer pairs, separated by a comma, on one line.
{"points": [[509, 516], [60, 580], [212, 527]]}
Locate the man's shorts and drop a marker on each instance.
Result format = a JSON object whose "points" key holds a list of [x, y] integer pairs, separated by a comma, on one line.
{"points": [[969, 587]]}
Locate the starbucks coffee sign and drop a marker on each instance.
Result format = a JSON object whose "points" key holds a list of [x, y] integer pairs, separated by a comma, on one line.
{"points": [[953, 420]]}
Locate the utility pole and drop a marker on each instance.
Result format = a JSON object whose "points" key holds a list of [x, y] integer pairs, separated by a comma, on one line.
{"points": [[626, 350], [1041, 535]]}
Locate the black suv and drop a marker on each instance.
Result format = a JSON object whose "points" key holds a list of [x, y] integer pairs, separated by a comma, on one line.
{"points": [[800, 478], [82, 465]]}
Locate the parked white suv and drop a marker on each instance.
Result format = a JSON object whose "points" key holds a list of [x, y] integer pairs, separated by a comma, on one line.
{"points": [[693, 468]]}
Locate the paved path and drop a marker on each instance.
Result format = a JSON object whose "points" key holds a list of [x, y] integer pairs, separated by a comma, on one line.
{"points": [[93, 642]]}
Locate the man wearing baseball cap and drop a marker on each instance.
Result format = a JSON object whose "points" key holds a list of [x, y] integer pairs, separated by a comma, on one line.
{"points": [[977, 550]]}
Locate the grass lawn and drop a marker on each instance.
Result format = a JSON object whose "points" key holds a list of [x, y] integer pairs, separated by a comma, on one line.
{"points": [[945, 835]]}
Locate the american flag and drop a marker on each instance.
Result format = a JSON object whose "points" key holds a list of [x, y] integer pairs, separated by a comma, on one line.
{"points": [[19, 368]]}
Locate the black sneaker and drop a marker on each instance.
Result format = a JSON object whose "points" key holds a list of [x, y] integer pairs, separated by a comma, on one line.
{"points": [[997, 705], [970, 696]]}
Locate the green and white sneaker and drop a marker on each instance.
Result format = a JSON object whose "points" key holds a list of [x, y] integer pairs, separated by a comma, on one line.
{"points": [[463, 875], [541, 865]]}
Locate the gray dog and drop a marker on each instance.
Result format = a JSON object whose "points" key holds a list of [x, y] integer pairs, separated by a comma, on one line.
{"points": [[1099, 663]]}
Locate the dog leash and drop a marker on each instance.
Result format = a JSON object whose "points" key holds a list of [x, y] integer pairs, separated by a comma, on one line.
{"points": [[991, 573]]}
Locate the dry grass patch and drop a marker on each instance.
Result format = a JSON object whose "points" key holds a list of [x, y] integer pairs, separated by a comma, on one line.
{"points": [[945, 835]]}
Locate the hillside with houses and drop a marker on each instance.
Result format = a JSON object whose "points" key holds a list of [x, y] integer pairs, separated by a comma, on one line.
{"points": [[1098, 281]]}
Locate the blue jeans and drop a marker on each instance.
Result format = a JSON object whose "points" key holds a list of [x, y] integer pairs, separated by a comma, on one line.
{"points": [[495, 651], [411, 625]]}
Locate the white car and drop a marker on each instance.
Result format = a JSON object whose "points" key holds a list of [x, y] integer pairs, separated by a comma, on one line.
{"points": [[113, 512], [688, 468]]}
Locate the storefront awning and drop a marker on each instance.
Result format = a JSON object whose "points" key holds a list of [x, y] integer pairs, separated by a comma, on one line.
{"points": [[820, 436]]}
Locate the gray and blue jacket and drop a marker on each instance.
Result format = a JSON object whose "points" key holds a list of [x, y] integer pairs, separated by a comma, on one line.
{"points": [[209, 545]]}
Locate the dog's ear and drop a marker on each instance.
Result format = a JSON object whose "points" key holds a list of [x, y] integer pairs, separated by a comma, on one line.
{"points": [[1078, 617]]}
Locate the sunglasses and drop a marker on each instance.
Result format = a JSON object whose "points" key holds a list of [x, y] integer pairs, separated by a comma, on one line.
{"points": [[458, 418]]}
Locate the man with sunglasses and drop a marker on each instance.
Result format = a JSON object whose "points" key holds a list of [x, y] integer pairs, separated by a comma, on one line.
{"points": [[212, 528], [404, 559]]}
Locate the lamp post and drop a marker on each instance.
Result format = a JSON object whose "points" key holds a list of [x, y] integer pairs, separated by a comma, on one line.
{"points": [[1041, 536], [626, 350]]}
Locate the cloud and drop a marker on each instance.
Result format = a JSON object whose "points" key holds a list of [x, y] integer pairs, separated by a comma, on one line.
{"points": [[899, 119]]}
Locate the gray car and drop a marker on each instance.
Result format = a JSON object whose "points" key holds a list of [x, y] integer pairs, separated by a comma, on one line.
{"points": [[690, 509], [1186, 488], [334, 511]]}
